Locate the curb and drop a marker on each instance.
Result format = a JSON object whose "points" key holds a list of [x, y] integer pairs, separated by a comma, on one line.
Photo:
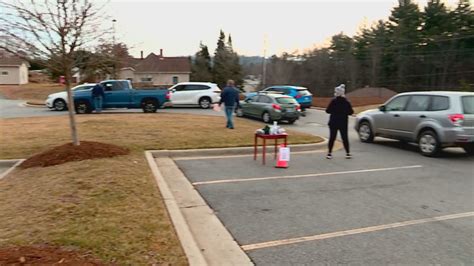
{"points": [[232, 151], [12, 163], [205, 240], [26, 104]]}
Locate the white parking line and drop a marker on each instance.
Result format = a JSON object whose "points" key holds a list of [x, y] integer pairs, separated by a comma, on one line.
{"points": [[235, 180], [353, 231], [236, 156]]}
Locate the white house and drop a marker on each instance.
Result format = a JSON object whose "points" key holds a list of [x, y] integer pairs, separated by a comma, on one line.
{"points": [[13, 71]]}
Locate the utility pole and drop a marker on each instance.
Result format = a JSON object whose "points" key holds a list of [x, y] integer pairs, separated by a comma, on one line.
{"points": [[113, 31], [264, 74]]}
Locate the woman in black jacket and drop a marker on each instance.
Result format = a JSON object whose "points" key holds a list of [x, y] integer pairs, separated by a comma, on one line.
{"points": [[339, 109]]}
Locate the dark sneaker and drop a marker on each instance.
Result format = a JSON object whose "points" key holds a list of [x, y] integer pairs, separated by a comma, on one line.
{"points": [[348, 156]]}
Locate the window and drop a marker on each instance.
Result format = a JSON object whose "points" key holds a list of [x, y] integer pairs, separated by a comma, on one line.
{"points": [[397, 104], [4, 73], [286, 100], [468, 104], [114, 86], [418, 103], [83, 88], [439, 103], [264, 99], [252, 99], [179, 88], [196, 87], [175, 80], [146, 79], [303, 92]]}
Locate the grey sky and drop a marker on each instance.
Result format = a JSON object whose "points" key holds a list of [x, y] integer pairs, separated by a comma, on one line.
{"points": [[177, 27]]}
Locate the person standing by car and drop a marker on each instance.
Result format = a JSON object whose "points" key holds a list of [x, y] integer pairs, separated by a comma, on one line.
{"points": [[230, 98], [98, 97], [339, 109]]}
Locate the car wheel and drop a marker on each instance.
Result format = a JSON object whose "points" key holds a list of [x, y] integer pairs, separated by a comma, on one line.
{"points": [[428, 143], [205, 102], [365, 132], [469, 149], [59, 105], [83, 107], [149, 106], [239, 112], [291, 121], [266, 117]]}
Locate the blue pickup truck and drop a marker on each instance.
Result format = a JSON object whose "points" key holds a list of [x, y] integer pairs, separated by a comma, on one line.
{"points": [[120, 94]]}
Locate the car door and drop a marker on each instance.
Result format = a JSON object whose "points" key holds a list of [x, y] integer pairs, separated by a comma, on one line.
{"points": [[388, 121], [178, 94], [248, 105], [262, 105], [116, 94], [415, 112]]}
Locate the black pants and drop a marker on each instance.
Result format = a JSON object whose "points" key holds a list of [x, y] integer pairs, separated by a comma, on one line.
{"points": [[333, 134]]}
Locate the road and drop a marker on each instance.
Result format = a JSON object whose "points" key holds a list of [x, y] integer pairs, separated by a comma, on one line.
{"points": [[387, 205]]}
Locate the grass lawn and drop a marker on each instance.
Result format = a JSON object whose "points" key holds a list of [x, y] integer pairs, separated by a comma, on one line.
{"points": [[110, 207], [32, 92]]}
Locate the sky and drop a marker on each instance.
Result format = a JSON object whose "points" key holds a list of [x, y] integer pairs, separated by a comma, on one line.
{"points": [[178, 27]]}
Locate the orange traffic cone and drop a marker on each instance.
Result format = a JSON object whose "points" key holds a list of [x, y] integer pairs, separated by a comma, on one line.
{"points": [[283, 157]]}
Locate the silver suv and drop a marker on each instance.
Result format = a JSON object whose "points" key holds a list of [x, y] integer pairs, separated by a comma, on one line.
{"points": [[434, 120]]}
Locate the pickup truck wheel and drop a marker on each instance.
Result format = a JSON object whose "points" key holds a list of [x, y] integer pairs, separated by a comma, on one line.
{"points": [[205, 102], [59, 105], [83, 107], [150, 106]]}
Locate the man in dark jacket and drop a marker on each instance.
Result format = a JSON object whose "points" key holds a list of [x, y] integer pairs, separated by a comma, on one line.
{"points": [[339, 109], [230, 98], [97, 97]]}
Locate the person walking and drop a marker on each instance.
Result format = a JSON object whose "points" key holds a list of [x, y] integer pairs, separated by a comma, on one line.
{"points": [[339, 109], [98, 97], [230, 98]]}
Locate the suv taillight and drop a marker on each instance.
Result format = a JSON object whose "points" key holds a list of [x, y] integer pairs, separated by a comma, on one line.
{"points": [[298, 96], [168, 95], [298, 107], [276, 107], [456, 119]]}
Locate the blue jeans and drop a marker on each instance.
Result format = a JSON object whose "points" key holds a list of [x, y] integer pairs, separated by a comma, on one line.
{"points": [[229, 112], [98, 104]]}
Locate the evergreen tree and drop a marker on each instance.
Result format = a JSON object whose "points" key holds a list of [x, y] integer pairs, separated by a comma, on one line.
{"points": [[201, 67], [226, 62]]}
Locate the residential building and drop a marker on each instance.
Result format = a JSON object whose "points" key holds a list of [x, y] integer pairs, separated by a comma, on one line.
{"points": [[156, 70], [13, 71]]}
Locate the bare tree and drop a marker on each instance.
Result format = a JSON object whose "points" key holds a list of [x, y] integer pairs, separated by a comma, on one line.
{"points": [[52, 30]]}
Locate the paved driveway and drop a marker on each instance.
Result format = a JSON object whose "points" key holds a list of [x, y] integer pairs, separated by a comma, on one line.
{"points": [[345, 211]]}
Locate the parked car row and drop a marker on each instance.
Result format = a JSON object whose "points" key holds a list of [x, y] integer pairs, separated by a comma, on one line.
{"points": [[433, 120]]}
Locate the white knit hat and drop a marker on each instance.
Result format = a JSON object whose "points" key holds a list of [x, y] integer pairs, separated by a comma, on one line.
{"points": [[340, 90]]}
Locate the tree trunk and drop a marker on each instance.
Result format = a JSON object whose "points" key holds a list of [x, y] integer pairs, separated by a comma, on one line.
{"points": [[71, 110]]}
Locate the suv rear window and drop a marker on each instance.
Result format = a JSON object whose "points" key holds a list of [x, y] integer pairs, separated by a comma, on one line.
{"points": [[303, 92], [468, 104], [286, 100], [439, 103]]}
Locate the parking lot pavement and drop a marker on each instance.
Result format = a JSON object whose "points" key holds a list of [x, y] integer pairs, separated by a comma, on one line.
{"points": [[324, 211]]}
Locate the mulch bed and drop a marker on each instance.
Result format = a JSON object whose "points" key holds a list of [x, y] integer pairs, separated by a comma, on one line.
{"points": [[32, 255], [68, 153]]}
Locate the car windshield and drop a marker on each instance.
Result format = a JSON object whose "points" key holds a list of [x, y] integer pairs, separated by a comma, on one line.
{"points": [[468, 104], [303, 92], [286, 100]]}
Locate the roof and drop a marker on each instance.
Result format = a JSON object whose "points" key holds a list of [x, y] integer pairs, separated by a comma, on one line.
{"points": [[441, 93], [158, 64], [12, 61], [288, 87]]}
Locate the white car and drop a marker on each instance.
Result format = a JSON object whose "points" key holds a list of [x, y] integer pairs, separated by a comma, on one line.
{"points": [[203, 94], [58, 101]]}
